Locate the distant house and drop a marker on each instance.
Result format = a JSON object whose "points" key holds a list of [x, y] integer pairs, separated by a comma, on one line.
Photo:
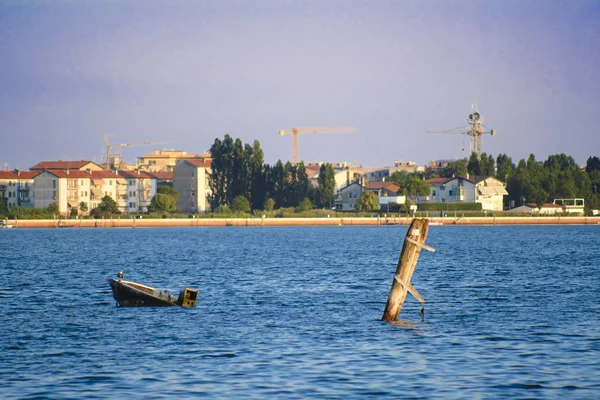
{"points": [[387, 193], [486, 190], [16, 188], [191, 181], [347, 197]]}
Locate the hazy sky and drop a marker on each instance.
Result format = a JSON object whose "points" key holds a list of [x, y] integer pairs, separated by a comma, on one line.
{"points": [[186, 72]]}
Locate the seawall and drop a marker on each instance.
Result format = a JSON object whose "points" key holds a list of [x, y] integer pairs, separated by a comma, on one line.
{"points": [[381, 221]]}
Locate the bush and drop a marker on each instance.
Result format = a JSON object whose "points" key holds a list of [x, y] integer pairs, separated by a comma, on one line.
{"points": [[162, 202], [240, 204], [224, 209], [269, 204], [305, 205]]}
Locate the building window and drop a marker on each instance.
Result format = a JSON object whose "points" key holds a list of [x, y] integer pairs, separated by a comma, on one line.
{"points": [[53, 184]]}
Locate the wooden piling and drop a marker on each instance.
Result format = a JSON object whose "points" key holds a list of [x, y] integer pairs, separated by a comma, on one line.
{"points": [[413, 243]]}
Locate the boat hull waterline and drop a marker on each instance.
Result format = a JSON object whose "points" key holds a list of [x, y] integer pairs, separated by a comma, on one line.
{"points": [[132, 294]]}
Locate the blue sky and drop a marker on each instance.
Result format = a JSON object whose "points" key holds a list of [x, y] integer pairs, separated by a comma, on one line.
{"points": [[185, 72]]}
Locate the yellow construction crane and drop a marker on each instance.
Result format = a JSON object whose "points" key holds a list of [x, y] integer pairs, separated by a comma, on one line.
{"points": [[308, 129], [473, 130], [111, 157]]}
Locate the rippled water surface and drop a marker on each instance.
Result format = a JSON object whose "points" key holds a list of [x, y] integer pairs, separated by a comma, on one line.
{"points": [[294, 312]]}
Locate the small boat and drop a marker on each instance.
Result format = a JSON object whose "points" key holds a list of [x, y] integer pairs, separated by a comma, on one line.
{"points": [[131, 294]]}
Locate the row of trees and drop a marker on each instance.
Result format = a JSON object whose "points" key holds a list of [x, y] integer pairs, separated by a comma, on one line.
{"points": [[238, 169]]}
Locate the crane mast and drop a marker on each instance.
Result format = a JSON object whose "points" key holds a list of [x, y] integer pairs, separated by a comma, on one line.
{"points": [[474, 130], [308, 129]]}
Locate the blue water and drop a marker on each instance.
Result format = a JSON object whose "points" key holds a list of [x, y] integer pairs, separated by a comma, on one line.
{"points": [[294, 312]]}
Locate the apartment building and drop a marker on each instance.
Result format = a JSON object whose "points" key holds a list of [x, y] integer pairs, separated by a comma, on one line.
{"points": [[191, 180], [16, 188]]}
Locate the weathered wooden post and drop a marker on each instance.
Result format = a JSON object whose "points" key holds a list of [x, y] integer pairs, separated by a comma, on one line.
{"points": [[413, 243]]}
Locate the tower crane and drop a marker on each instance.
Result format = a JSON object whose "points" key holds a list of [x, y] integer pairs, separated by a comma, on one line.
{"points": [[110, 157], [474, 129], [314, 130]]}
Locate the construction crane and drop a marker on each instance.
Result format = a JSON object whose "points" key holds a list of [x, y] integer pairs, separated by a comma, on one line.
{"points": [[474, 129], [117, 155], [314, 130]]}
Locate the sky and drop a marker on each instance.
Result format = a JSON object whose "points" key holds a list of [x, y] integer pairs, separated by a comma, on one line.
{"points": [[181, 73]]}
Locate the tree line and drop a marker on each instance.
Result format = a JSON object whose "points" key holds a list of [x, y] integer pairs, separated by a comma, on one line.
{"points": [[240, 179]]}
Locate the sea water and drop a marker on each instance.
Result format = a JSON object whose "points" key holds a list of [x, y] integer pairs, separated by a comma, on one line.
{"points": [[294, 312]]}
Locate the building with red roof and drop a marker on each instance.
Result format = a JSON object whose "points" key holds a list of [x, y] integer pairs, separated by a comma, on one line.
{"points": [[16, 188]]}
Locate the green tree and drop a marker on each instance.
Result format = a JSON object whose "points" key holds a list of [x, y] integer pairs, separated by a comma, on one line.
{"points": [[418, 187], [474, 165], [3, 208], [240, 204], [277, 184], [592, 164], [305, 205], [83, 206], [168, 190], [162, 202], [410, 184], [487, 165], [368, 201], [302, 184], [108, 205], [326, 182], [73, 212], [221, 171], [505, 167], [456, 168], [52, 208], [258, 188], [269, 204]]}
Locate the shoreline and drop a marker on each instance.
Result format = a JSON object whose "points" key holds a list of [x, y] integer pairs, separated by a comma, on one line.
{"points": [[367, 221]]}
